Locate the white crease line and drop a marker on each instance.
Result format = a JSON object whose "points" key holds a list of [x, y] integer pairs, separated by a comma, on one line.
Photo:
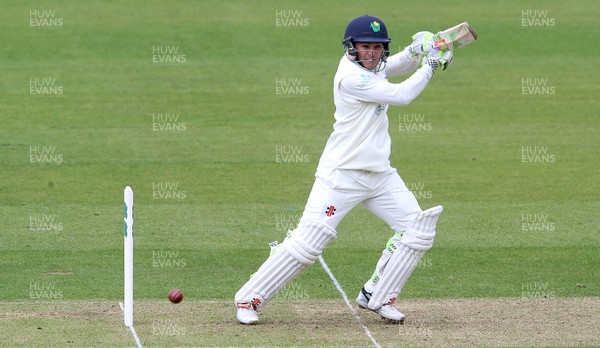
{"points": [[339, 287], [135, 336]]}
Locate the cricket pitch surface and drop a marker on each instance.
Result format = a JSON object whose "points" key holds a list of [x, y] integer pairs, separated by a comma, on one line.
{"points": [[320, 323]]}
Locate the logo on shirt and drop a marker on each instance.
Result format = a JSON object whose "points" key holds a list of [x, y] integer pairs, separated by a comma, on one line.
{"points": [[379, 109], [330, 211], [364, 80]]}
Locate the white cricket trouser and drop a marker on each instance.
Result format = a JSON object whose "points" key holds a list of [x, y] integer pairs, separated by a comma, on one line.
{"points": [[383, 193]]}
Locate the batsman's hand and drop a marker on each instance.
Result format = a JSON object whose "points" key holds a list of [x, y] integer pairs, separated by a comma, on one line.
{"points": [[422, 43], [437, 59]]}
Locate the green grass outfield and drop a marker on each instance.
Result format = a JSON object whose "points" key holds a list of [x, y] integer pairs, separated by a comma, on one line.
{"points": [[188, 103]]}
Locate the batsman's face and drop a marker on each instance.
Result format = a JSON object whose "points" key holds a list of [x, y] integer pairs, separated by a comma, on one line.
{"points": [[369, 53]]}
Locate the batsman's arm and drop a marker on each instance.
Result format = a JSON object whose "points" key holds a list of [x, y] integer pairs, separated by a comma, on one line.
{"points": [[402, 63], [370, 89]]}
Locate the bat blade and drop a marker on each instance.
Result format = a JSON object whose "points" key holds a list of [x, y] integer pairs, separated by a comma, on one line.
{"points": [[457, 36]]}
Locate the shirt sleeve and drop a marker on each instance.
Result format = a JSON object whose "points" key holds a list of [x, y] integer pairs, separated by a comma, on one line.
{"points": [[401, 63], [369, 88]]}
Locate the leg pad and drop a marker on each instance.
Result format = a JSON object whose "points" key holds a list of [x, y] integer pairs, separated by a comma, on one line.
{"points": [[292, 256], [415, 241]]}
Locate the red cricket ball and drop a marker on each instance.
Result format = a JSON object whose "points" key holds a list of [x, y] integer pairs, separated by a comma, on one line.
{"points": [[175, 295]]}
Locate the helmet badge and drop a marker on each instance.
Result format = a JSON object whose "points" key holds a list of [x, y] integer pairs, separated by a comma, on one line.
{"points": [[375, 27]]}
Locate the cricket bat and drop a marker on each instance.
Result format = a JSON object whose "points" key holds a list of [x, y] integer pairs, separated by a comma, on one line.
{"points": [[456, 37]]}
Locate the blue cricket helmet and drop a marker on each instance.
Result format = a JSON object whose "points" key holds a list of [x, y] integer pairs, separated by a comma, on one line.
{"points": [[366, 29]]}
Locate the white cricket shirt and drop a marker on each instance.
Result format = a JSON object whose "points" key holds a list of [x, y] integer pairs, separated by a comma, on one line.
{"points": [[360, 139]]}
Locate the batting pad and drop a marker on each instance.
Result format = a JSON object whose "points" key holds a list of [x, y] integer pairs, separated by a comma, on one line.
{"points": [[399, 268], [295, 254], [420, 234], [415, 241], [386, 254]]}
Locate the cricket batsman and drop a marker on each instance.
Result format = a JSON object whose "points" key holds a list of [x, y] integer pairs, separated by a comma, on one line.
{"points": [[355, 169]]}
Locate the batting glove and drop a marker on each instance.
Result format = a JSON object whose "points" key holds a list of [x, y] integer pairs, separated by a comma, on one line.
{"points": [[422, 43], [438, 59]]}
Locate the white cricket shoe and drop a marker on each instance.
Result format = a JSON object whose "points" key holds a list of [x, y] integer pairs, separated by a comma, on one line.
{"points": [[387, 311], [246, 313]]}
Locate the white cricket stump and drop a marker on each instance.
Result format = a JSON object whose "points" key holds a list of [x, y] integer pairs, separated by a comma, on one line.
{"points": [[128, 258], [127, 305]]}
